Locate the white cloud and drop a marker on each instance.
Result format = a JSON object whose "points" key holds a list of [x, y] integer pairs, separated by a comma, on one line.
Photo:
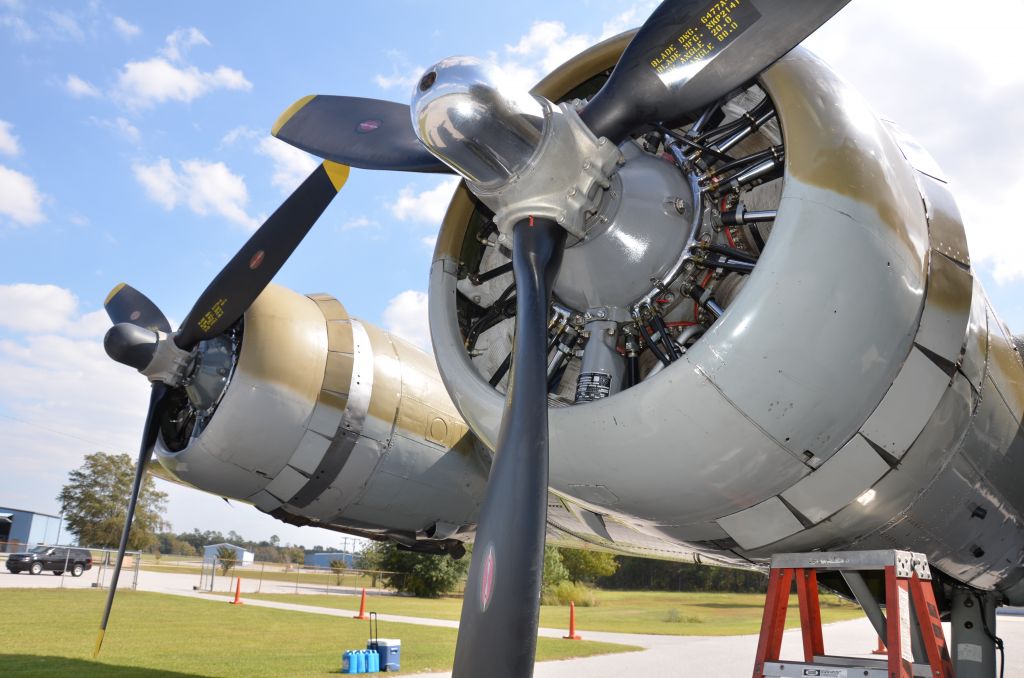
{"points": [[548, 44], [36, 308], [78, 87], [144, 83], [406, 316], [20, 199], [62, 397], [240, 132], [8, 142], [359, 223], [120, 126], [22, 31], [141, 84], [401, 79], [128, 130], [45, 309], [64, 25], [205, 187], [181, 41], [291, 165], [953, 98], [404, 75], [126, 28], [426, 206]]}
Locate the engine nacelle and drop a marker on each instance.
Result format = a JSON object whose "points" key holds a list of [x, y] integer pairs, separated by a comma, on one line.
{"points": [[829, 399], [327, 420]]}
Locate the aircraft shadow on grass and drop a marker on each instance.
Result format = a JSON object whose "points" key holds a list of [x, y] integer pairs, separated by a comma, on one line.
{"points": [[38, 665]]}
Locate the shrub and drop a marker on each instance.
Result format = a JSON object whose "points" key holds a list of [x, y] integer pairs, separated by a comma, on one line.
{"points": [[674, 617], [338, 567], [566, 591], [226, 558]]}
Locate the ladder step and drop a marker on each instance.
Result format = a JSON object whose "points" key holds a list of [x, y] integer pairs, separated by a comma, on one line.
{"points": [[857, 668]]}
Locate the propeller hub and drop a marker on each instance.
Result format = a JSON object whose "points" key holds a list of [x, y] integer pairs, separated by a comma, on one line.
{"points": [[485, 132], [131, 345], [521, 155]]}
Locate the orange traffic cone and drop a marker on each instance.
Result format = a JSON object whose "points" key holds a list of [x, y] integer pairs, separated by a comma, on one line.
{"points": [[881, 647], [572, 623], [238, 593], [362, 607]]}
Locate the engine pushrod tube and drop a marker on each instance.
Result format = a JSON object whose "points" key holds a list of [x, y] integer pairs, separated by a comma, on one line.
{"points": [[740, 216]]}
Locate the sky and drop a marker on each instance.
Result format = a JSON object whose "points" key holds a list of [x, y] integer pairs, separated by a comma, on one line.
{"points": [[135, 146]]}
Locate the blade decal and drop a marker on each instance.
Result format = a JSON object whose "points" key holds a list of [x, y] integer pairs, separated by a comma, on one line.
{"points": [[720, 23], [346, 130], [125, 304], [487, 579]]}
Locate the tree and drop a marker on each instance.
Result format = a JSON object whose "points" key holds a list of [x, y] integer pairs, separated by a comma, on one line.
{"points": [[371, 559], [227, 558], [421, 574], [338, 567], [588, 565], [554, 570], [95, 499]]}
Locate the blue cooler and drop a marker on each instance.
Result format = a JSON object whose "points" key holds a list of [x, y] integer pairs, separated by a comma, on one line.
{"points": [[390, 650]]}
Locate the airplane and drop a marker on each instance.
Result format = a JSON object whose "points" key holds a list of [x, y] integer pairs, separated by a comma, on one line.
{"points": [[737, 306]]}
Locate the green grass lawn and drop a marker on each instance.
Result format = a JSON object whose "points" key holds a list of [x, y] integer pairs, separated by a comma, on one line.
{"points": [[654, 612], [151, 635]]}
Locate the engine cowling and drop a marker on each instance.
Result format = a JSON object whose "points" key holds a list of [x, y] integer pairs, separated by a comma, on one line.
{"points": [[323, 419], [830, 400]]}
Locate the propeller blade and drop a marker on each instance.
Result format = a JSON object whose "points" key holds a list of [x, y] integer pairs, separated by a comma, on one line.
{"points": [[690, 53], [252, 268], [125, 304], [498, 631], [366, 133], [149, 432]]}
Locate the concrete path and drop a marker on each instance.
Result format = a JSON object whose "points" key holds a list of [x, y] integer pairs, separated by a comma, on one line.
{"points": [[712, 656]]}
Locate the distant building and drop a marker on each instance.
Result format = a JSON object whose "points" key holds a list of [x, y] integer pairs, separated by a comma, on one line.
{"points": [[324, 558], [20, 528], [243, 556]]}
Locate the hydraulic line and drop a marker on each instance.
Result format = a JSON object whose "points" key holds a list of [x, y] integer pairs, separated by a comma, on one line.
{"points": [[703, 297], [726, 251], [499, 373], [741, 215], [670, 346], [744, 120], [773, 152], [503, 307], [481, 278], [759, 171], [724, 263], [642, 326]]}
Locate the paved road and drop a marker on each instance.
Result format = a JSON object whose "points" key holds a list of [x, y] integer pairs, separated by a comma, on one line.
{"points": [[171, 582], [720, 656]]}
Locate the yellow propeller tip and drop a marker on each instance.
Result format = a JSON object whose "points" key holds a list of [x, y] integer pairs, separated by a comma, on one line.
{"points": [[337, 173], [289, 112], [113, 293], [99, 644]]}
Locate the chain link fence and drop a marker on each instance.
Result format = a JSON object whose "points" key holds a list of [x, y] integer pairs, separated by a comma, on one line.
{"points": [[61, 559], [219, 574]]}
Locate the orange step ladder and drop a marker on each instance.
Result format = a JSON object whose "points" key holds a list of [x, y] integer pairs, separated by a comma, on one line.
{"points": [[908, 589]]}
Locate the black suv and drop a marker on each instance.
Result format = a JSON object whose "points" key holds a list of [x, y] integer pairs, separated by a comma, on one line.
{"points": [[51, 558]]}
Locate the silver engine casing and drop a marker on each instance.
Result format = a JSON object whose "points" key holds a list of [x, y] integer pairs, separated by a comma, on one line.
{"points": [[858, 392], [330, 421]]}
